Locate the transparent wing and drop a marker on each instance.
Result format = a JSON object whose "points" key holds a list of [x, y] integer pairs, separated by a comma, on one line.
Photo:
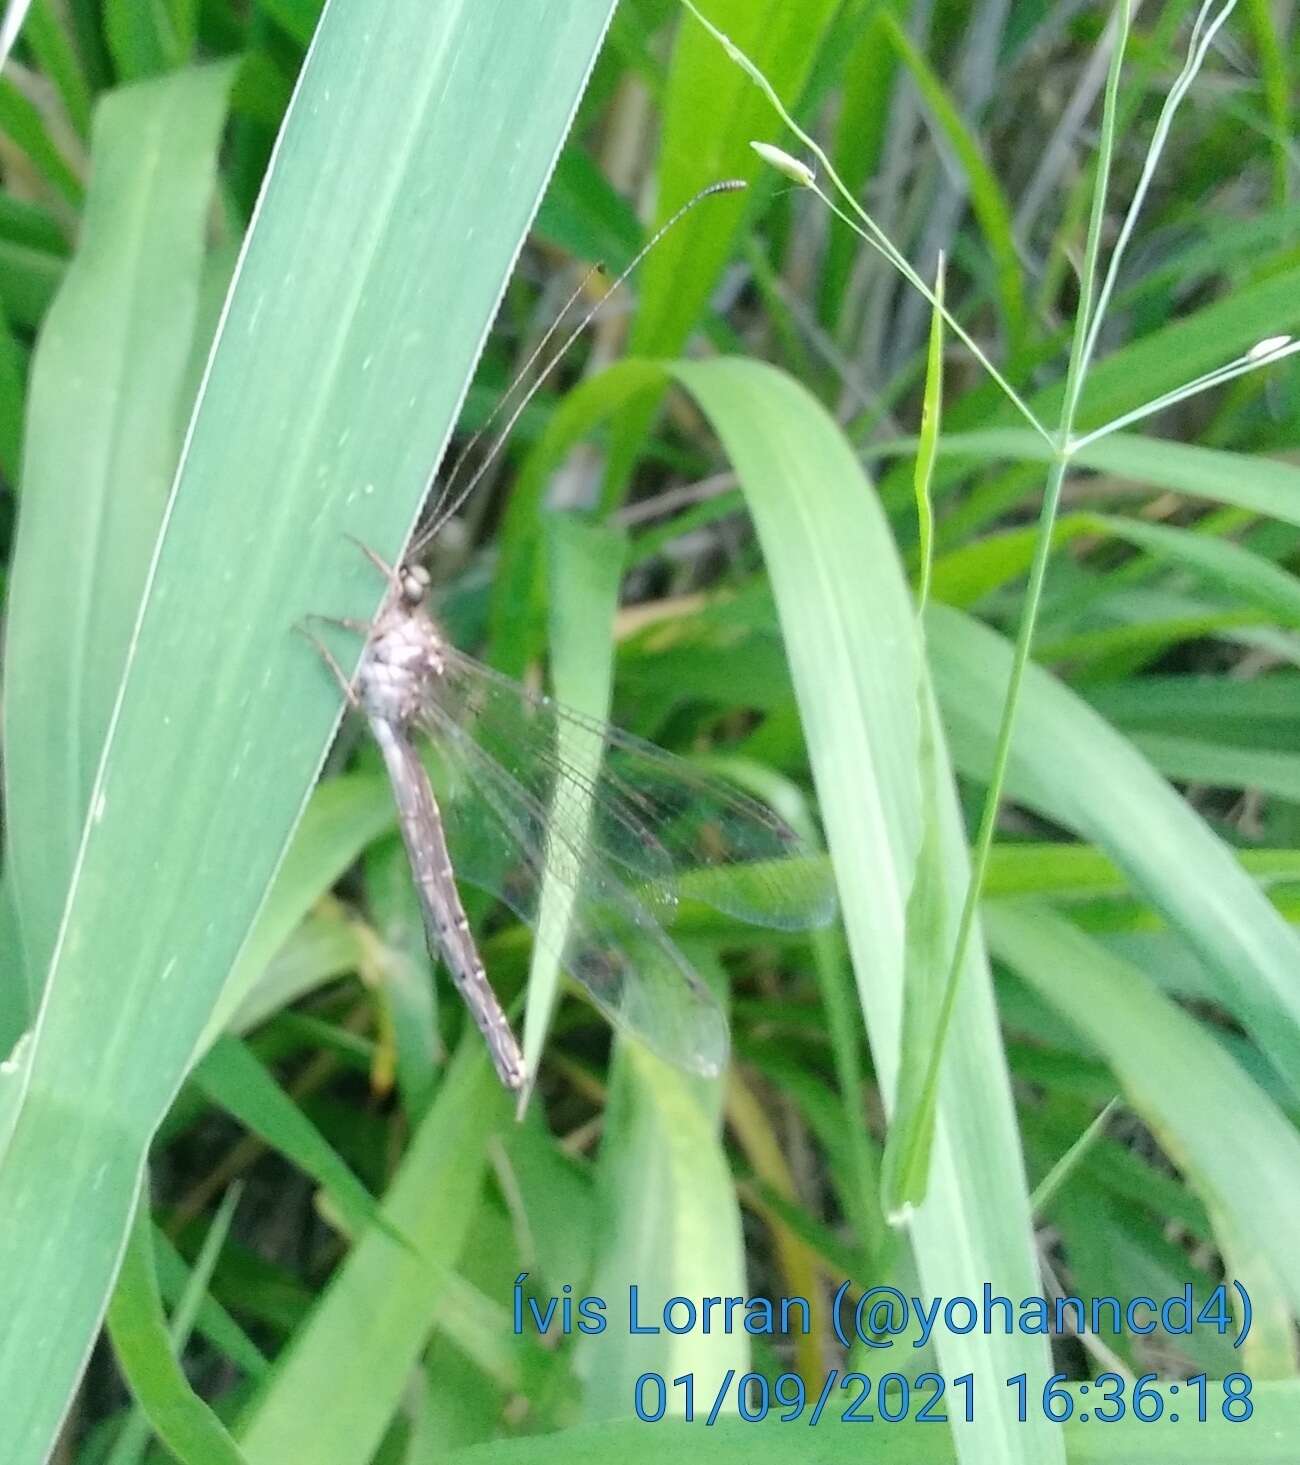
{"points": [[503, 839], [638, 808]]}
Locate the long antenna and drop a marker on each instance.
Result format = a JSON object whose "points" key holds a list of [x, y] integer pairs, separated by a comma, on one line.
{"points": [[520, 376], [448, 506]]}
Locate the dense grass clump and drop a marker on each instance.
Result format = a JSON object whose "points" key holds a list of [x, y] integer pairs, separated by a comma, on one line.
{"points": [[937, 488]]}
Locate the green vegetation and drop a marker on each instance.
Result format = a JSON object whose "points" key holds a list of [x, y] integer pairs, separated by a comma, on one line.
{"points": [[943, 496]]}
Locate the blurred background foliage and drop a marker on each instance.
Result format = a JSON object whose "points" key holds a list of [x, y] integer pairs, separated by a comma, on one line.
{"points": [[1139, 936]]}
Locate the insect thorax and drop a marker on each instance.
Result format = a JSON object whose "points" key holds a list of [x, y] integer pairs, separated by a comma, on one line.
{"points": [[403, 662]]}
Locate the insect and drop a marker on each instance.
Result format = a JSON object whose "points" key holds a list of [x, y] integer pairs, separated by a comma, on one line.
{"points": [[585, 832]]}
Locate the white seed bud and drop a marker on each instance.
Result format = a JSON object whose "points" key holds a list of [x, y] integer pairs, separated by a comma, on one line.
{"points": [[779, 159], [1267, 347]]}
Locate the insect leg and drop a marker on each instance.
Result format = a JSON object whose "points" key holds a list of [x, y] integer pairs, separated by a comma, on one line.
{"points": [[327, 656], [388, 571]]}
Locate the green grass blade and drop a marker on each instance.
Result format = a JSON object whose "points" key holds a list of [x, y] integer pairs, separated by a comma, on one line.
{"points": [[22, 124], [232, 1076], [13, 395], [11, 26], [410, 165], [1275, 85], [967, 574], [143, 39], [710, 116], [103, 432], [342, 816], [13, 979], [134, 1439], [518, 614], [1194, 760], [140, 1340], [57, 57], [927, 445], [1263, 485], [853, 652], [585, 573], [927, 1004], [1249, 578], [1069, 764], [867, 88], [988, 200], [332, 1397], [211, 1320], [1070, 1161], [670, 1223], [1240, 1151], [711, 113]]}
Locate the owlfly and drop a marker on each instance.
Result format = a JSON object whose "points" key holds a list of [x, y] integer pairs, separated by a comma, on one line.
{"points": [[612, 830]]}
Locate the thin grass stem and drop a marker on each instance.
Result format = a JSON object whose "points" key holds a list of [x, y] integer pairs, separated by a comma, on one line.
{"points": [[863, 224]]}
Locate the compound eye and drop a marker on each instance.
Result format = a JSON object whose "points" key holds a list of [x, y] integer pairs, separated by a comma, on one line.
{"points": [[415, 582]]}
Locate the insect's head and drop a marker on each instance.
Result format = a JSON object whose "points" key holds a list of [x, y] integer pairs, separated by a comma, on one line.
{"points": [[413, 584]]}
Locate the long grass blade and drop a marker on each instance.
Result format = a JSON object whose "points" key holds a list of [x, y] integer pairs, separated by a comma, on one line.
{"points": [[1067, 763], [853, 652], [396, 203], [105, 414]]}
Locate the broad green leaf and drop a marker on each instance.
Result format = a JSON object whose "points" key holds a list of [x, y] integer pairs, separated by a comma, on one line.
{"points": [[342, 358], [853, 652]]}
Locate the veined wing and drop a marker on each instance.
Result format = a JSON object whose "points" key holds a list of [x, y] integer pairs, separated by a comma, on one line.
{"points": [[644, 811], [503, 839]]}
